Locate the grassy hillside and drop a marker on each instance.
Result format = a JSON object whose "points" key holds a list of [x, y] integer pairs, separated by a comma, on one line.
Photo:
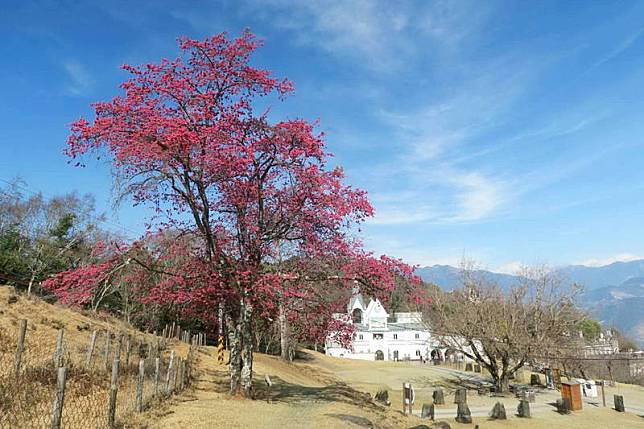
{"points": [[26, 401]]}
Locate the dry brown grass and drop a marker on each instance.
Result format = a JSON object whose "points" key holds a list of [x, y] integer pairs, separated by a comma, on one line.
{"points": [[324, 392], [26, 401]]}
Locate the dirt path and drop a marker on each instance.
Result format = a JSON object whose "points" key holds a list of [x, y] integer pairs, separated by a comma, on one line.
{"points": [[302, 396]]}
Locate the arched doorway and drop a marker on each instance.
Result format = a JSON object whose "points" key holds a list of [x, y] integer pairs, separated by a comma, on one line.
{"points": [[395, 355], [380, 355], [356, 315], [436, 356]]}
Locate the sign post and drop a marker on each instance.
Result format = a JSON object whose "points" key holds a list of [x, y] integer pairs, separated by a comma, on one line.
{"points": [[408, 397]]}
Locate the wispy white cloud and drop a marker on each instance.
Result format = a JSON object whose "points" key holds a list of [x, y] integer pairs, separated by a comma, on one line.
{"points": [[382, 35], [621, 47], [479, 196], [420, 253], [513, 267], [620, 257], [80, 81]]}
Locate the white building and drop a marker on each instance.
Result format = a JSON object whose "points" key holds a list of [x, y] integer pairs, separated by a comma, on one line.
{"points": [[605, 344], [381, 336]]}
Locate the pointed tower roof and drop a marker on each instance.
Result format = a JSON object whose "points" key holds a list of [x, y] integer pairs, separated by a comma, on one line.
{"points": [[356, 301]]}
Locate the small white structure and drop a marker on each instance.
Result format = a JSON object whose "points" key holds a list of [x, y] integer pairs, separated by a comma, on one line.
{"points": [[588, 387], [381, 336]]}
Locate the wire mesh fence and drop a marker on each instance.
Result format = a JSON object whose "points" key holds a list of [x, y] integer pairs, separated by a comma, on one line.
{"points": [[47, 384]]}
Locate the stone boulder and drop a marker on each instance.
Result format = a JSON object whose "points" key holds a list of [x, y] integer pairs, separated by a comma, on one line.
{"points": [[619, 403], [439, 397], [498, 412], [463, 414], [523, 410], [427, 411], [460, 396]]}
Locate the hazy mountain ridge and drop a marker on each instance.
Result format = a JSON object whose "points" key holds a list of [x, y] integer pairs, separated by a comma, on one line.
{"points": [[613, 293]]}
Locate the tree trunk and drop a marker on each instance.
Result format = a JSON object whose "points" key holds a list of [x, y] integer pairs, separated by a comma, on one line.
{"points": [[285, 336], [234, 347], [502, 383], [32, 279], [246, 350]]}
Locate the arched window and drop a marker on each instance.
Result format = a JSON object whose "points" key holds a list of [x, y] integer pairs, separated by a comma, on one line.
{"points": [[356, 315], [380, 355]]}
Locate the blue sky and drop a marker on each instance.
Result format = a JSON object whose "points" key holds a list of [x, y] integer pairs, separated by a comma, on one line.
{"points": [[505, 132]]}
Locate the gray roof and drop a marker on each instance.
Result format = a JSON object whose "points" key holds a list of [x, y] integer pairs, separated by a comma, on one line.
{"points": [[361, 327]]}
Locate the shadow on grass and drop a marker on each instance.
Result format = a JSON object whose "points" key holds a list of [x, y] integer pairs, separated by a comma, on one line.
{"points": [[285, 392], [217, 380], [356, 420], [451, 383]]}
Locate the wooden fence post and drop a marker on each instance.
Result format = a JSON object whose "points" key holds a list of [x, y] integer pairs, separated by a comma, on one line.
{"points": [[59, 353], [175, 376], [22, 332], [157, 370], [128, 350], [182, 375], [170, 367], [59, 399], [114, 387], [90, 350], [106, 356], [139, 386], [119, 346]]}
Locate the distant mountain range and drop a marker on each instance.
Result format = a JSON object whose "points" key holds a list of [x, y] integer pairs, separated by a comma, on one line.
{"points": [[614, 294]]}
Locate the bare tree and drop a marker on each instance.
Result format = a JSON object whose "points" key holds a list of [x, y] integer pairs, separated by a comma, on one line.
{"points": [[504, 330]]}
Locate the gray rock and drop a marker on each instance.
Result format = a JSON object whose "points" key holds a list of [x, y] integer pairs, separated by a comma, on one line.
{"points": [[498, 412], [460, 396], [441, 425], [463, 414], [619, 403], [439, 397], [421, 427], [383, 397], [427, 412], [523, 410]]}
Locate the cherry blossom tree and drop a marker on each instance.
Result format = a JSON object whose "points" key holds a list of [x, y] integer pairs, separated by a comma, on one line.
{"points": [[186, 138]]}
